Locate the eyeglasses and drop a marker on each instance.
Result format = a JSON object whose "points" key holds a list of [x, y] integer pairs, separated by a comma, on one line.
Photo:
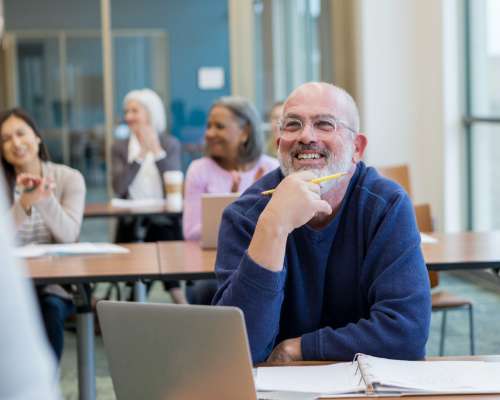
{"points": [[293, 126]]}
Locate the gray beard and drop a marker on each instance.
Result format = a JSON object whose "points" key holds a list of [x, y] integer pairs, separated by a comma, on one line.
{"points": [[333, 166]]}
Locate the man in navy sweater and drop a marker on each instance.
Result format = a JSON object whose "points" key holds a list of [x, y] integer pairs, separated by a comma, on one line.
{"points": [[323, 272]]}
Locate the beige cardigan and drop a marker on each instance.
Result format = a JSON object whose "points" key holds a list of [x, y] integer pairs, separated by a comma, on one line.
{"points": [[63, 211]]}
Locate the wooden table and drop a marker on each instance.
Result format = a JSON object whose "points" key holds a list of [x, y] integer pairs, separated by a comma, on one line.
{"points": [[106, 210], [464, 250], [141, 263], [185, 260], [452, 251]]}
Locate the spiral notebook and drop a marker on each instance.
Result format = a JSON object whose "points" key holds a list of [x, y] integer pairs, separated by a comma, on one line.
{"points": [[380, 376]]}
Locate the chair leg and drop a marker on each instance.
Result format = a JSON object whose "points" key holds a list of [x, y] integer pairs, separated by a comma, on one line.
{"points": [[471, 330], [443, 334]]}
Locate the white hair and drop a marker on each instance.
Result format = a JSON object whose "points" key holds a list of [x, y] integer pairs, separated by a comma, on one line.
{"points": [[153, 104]]}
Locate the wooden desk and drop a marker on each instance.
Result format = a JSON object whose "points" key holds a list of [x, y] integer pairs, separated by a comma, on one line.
{"points": [[453, 251], [185, 260], [464, 250], [106, 210], [142, 262]]}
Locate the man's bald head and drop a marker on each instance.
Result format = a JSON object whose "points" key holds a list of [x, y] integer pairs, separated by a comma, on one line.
{"points": [[344, 106]]}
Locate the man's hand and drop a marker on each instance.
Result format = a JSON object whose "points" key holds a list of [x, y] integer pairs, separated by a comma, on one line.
{"points": [[294, 203], [287, 351]]}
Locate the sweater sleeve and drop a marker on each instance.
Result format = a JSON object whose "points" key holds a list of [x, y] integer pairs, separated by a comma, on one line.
{"points": [[64, 218], [18, 214], [172, 162], [257, 291], [195, 186], [395, 284], [122, 172]]}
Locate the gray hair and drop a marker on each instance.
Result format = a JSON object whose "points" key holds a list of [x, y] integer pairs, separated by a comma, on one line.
{"points": [[351, 108], [245, 111], [153, 105]]}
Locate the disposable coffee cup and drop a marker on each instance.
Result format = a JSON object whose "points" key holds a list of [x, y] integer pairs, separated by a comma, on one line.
{"points": [[173, 181]]}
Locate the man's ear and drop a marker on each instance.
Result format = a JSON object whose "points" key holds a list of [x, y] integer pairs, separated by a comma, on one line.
{"points": [[360, 142], [278, 140]]}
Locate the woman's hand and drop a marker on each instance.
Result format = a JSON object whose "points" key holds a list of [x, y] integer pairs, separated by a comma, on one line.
{"points": [[236, 180], [149, 141], [259, 174], [34, 189]]}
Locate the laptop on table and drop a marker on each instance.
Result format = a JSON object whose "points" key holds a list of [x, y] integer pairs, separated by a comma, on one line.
{"points": [[167, 351], [212, 207]]}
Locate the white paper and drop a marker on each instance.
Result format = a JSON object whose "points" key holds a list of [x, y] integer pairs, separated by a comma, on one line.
{"points": [[424, 238], [39, 250], [333, 378], [433, 376], [143, 203], [391, 376]]}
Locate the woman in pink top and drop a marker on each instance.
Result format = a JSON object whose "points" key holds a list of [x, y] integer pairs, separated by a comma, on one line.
{"points": [[234, 160], [234, 147]]}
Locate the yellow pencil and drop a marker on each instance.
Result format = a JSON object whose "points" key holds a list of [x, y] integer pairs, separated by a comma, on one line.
{"points": [[315, 180]]}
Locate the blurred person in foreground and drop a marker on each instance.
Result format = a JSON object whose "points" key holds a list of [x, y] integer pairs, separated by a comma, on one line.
{"points": [[27, 365]]}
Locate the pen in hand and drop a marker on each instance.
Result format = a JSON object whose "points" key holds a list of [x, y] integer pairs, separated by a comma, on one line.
{"points": [[316, 180]]}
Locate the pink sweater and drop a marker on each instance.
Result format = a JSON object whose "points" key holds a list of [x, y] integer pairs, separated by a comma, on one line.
{"points": [[205, 176]]}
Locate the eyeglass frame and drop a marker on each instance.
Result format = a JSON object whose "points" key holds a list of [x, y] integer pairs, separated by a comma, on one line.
{"points": [[330, 118]]}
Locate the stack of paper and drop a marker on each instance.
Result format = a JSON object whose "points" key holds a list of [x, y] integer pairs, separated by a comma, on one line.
{"points": [[39, 250], [378, 376]]}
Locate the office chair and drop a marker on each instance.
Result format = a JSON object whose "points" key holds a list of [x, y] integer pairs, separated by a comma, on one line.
{"points": [[443, 301]]}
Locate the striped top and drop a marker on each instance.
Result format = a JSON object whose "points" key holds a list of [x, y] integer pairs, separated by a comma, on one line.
{"points": [[33, 229]]}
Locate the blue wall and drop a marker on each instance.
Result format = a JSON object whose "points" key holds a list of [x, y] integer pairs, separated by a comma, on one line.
{"points": [[197, 31]]}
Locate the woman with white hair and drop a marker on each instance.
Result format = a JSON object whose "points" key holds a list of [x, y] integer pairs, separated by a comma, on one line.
{"points": [[138, 164]]}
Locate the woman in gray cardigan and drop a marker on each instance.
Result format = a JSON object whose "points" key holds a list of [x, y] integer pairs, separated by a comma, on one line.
{"points": [[138, 164], [47, 202]]}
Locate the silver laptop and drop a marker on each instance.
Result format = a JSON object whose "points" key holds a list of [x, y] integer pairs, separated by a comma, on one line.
{"points": [[212, 206], [167, 351]]}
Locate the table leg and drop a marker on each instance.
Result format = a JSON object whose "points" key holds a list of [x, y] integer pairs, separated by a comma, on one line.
{"points": [[85, 339], [139, 292], [86, 362]]}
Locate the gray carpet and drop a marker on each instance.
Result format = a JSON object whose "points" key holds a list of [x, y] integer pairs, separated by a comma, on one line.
{"points": [[484, 293]]}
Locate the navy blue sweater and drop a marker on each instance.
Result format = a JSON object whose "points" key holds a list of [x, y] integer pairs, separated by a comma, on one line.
{"points": [[358, 285]]}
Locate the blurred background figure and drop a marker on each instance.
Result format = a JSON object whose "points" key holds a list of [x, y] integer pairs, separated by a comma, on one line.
{"points": [[27, 366], [138, 164], [274, 117], [234, 159], [47, 202]]}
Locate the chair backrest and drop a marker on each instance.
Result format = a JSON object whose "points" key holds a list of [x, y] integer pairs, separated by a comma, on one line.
{"points": [[424, 223], [399, 174]]}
